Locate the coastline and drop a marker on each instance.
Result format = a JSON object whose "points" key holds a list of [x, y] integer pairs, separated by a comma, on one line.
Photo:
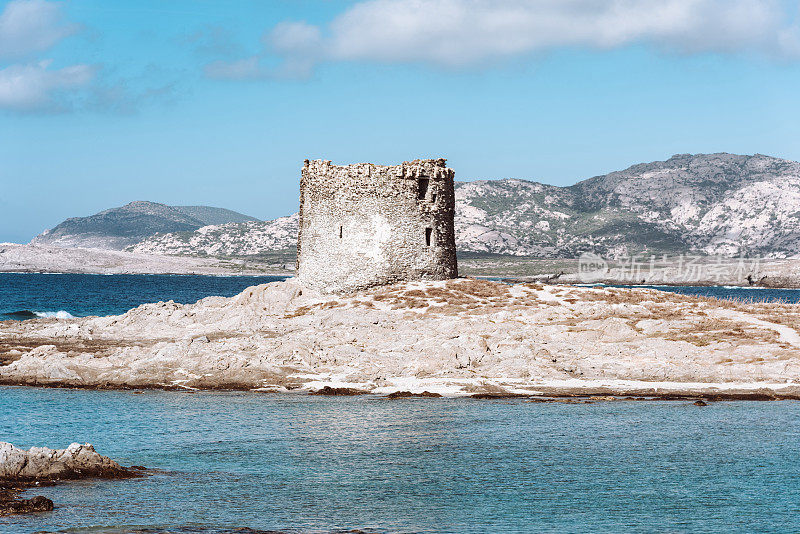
{"points": [[793, 283], [681, 270], [537, 392], [763, 273], [458, 338]]}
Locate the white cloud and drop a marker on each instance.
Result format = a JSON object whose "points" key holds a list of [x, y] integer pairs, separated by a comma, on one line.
{"points": [[241, 69], [295, 38], [469, 32], [298, 43], [29, 26], [35, 86]]}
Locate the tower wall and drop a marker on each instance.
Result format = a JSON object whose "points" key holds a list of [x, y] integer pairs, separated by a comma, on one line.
{"points": [[364, 225]]}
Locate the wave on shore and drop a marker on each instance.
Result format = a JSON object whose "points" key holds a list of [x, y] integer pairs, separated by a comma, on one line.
{"points": [[23, 315]]}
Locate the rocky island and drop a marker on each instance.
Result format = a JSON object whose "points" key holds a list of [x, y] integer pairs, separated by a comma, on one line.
{"points": [[452, 337]]}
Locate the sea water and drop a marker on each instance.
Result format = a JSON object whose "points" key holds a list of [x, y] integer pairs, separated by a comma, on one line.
{"points": [[29, 295], [298, 463], [26, 296], [747, 294]]}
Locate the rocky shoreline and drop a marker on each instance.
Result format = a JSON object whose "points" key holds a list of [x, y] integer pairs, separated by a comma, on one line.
{"points": [[642, 391], [456, 338], [678, 271], [21, 470]]}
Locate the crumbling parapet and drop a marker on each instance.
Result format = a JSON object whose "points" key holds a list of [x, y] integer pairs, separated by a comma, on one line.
{"points": [[363, 225]]}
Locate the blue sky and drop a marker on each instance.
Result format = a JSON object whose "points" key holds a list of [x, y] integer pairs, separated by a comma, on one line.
{"points": [[218, 102]]}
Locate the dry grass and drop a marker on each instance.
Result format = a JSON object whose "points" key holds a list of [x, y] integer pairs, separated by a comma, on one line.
{"points": [[409, 303], [457, 296], [708, 330], [398, 299], [384, 296], [445, 296], [445, 309], [479, 288], [782, 314], [632, 296], [311, 308]]}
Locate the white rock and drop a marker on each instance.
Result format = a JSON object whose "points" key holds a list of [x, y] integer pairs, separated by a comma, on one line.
{"points": [[41, 463], [450, 335]]}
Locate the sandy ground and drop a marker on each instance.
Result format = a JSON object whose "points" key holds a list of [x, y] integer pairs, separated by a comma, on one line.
{"points": [[460, 337], [50, 259]]}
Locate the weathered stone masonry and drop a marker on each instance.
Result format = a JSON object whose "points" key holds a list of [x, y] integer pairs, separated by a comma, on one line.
{"points": [[364, 225]]}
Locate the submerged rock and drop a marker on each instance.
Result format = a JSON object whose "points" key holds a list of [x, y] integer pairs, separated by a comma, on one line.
{"points": [[24, 506], [498, 395], [408, 394], [328, 390]]}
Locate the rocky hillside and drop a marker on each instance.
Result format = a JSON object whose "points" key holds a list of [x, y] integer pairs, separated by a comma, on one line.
{"points": [[243, 239], [118, 228], [712, 204], [707, 203]]}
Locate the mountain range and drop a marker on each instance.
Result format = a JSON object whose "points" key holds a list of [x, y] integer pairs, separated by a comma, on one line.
{"points": [[703, 204], [707, 204]]}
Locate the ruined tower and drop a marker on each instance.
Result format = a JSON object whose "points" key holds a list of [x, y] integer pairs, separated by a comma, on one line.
{"points": [[364, 225]]}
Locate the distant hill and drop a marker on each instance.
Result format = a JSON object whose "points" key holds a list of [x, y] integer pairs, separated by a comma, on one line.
{"points": [[703, 204], [208, 215], [121, 227]]}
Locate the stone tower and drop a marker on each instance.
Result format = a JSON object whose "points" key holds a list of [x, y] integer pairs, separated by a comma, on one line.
{"points": [[364, 225]]}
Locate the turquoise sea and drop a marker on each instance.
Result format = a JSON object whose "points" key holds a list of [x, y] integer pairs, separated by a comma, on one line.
{"points": [[298, 463], [251, 462]]}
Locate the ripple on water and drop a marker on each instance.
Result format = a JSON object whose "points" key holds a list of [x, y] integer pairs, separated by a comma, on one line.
{"points": [[297, 463]]}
